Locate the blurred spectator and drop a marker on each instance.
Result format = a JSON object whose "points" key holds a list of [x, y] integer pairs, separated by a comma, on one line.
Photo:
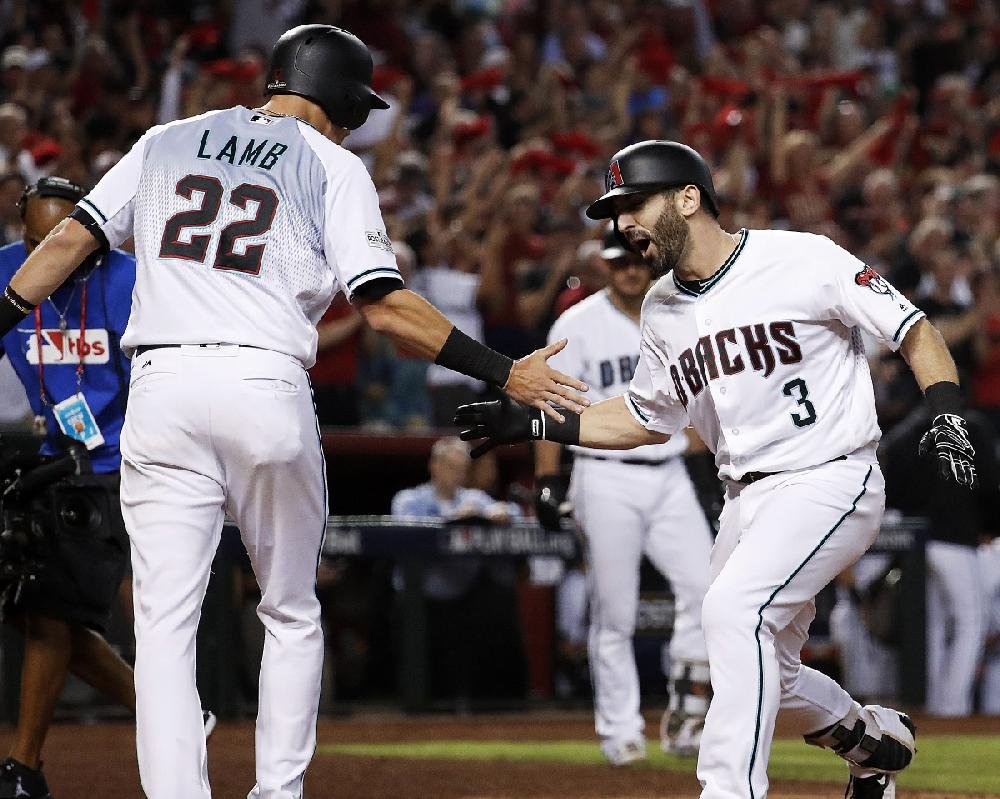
{"points": [[407, 403], [449, 284], [335, 374], [590, 273], [13, 133], [12, 185], [473, 633]]}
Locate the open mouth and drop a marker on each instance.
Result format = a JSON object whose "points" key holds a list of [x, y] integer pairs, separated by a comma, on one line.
{"points": [[640, 244]]}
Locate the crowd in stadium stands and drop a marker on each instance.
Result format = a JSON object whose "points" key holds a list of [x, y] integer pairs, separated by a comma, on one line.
{"points": [[877, 124], [873, 122]]}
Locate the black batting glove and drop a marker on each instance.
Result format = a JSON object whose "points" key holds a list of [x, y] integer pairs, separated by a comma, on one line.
{"points": [[551, 505], [949, 439], [499, 421], [504, 421]]}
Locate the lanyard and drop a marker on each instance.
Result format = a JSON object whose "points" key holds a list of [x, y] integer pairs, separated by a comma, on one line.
{"points": [[81, 348]]}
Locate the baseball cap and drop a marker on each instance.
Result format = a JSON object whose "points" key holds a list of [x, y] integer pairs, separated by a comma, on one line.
{"points": [[612, 246], [14, 56]]}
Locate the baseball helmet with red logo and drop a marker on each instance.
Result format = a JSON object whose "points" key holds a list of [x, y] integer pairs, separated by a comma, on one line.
{"points": [[651, 166]]}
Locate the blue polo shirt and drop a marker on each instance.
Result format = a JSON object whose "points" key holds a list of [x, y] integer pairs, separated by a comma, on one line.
{"points": [[105, 368]]}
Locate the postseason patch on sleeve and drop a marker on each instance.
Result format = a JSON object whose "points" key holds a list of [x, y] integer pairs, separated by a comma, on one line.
{"points": [[378, 240]]}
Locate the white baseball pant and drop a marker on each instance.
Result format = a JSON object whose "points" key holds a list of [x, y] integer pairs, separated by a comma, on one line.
{"points": [[989, 578], [868, 667], [781, 539], [627, 510], [211, 430], [955, 627]]}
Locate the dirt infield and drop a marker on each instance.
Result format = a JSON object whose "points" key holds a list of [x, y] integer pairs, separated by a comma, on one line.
{"points": [[98, 762]]}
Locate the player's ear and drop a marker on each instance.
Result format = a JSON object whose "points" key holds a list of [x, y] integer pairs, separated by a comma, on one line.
{"points": [[687, 200]]}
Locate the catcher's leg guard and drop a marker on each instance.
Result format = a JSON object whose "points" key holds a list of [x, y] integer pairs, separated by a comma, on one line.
{"points": [[684, 718], [876, 738]]}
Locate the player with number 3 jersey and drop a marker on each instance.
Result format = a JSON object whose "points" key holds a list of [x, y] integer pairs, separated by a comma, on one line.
{"points": [[754, 338]]}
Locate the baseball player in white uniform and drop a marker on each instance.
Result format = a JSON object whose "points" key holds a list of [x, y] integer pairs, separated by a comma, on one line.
{"points": [[754, 339], [629, 504], [246, 224]]}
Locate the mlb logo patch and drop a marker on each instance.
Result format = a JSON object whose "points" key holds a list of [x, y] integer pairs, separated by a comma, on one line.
{"points": [[59, 347], [614, 177]]}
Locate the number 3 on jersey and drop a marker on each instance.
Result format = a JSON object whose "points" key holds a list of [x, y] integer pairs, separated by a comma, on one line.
{"points": [[797, 390], [205, 214]]}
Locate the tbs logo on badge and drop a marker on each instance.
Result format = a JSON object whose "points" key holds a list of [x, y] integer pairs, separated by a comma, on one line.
{"points": [[68, 347]]}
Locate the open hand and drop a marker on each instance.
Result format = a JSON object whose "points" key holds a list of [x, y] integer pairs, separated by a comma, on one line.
{"points": [[533, 382]]}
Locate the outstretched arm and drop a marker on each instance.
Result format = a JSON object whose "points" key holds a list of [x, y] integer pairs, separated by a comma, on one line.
{"points": [[609, 425], [45, 270], [416, 325], [925, 351], [604, 425]]}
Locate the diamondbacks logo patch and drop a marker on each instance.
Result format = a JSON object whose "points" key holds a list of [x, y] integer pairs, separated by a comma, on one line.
{"points": [[614, 177], [869, 278]]}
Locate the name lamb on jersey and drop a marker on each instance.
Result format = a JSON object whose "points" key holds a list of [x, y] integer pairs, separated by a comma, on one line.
{"points": [[240, 153], [728, 352]]}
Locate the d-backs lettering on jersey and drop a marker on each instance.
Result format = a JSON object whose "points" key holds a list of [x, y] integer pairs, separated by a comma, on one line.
{"points": [[723, 353], [766, 361], [601, 350], [246, 224]]}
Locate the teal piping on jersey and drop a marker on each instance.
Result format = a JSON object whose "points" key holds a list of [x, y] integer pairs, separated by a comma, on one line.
{"points": [[635, 408], [720, 272], [760, 623], [389, 272], [903, 323], [95, 209]]}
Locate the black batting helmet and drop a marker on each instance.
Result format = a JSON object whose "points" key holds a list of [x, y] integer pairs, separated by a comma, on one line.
{"points": [[651, 166], [328, 65]]}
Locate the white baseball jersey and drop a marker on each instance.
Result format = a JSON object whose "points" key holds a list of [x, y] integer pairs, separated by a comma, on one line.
{"points": [[602, 352], [246, 225], [765, 358]]}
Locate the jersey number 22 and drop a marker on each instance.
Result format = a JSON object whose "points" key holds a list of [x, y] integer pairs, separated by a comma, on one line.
{"points": [[226, 256]]}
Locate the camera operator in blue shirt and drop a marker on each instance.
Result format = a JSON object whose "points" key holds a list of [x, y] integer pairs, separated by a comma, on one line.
{"points": [[66, 354]]}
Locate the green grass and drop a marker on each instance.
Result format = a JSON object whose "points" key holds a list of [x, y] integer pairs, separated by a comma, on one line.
{"points": [[952, 763]]}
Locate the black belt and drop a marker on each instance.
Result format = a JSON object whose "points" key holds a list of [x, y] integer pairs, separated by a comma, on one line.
{"points": [[753, 477], [629, 461], [142, 348]]}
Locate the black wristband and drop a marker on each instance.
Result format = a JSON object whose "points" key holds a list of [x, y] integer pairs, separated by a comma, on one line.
{"points": [[468, 356], [567, 432], [13, 308], [944, 397]]}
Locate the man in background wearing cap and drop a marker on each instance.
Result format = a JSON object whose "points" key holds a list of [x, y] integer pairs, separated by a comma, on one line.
{"points": [[629, 505]]}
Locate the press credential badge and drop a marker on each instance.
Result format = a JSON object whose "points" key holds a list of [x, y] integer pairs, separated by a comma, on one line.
{"points": [[77, 421]]}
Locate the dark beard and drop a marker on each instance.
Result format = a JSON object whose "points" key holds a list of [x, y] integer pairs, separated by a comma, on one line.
{"points": [[669, 234]]}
